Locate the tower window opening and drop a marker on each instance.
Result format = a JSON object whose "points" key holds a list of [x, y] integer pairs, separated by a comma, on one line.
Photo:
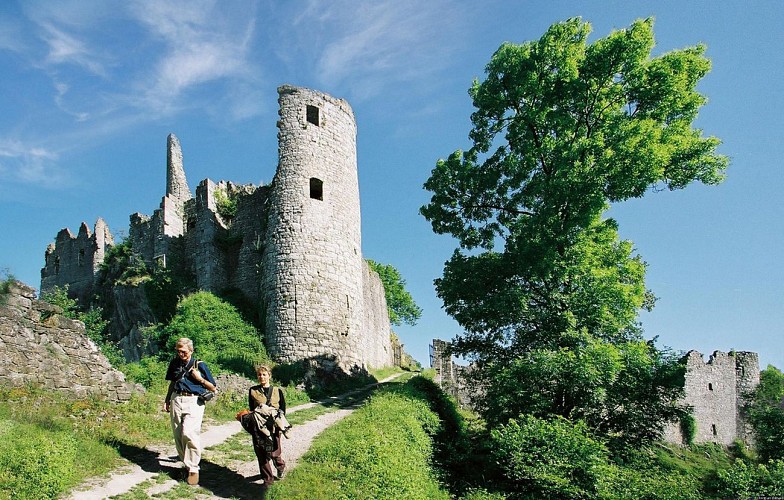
{"points": [[710, 386], [713, 430], [80, 258], [57, 265], [312, 114], [316, 189]]}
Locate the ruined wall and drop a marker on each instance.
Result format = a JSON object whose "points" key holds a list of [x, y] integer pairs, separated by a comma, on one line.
{"points": [[453, 379], [75, 260], [41, 347], [715, 390]]}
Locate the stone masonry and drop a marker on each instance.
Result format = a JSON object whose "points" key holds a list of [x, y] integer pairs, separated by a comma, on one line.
{"points": [[293, 248], [715, 390], [41, 347]]}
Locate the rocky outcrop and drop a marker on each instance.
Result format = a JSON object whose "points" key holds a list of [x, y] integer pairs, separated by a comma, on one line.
{"points": [[41, 347]]}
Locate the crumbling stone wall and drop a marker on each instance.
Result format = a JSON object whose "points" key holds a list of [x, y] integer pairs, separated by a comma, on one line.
{"points": [[75, 260], [41, 347], [292, 248], [715, 390], [453, 379]]}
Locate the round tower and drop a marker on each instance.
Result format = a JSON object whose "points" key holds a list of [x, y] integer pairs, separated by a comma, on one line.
{"points": [[312, 277]]}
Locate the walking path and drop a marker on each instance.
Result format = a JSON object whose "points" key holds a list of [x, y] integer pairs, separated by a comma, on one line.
{"points": [[217, 481]]}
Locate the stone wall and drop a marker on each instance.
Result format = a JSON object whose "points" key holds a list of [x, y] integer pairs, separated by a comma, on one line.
{"points": [[715, 390], [41, 347], [452, 378], [75, 260]]}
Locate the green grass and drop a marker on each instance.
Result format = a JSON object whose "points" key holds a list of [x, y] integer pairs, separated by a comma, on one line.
{"points": [[382, 450]]}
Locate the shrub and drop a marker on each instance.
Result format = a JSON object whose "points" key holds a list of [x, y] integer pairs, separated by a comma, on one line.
{"points": [[743, 480], [635, 483], [149, 372], [549, 458], [220, 336], [688, 428]]}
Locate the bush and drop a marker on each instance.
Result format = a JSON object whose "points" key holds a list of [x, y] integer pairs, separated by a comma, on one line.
{"points": [[149, 371], [220, 336], [633, 483], [743, 480], [549, 458]]}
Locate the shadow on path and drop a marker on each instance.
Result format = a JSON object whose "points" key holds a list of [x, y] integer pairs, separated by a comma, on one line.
{"points": [[221, 481]]}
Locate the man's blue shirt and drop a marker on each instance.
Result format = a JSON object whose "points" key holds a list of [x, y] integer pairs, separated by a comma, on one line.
{"points": [[186, 383]]}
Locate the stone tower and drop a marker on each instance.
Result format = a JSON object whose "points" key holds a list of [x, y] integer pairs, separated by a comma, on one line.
{"points": [[313, 266]]}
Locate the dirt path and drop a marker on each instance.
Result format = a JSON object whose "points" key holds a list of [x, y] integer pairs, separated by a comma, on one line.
{"points": [[216, 481]]}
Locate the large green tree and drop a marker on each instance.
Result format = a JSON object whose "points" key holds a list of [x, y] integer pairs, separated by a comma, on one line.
{"points": [[563, 128], [400, 303], [766, 413]]}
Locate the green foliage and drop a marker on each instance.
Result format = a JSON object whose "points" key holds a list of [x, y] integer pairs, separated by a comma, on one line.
{"points": [[49, 442], [627, 391], [6, 278], [688, 426], [34, 463], [562, 128], [220, 336], [462, 448], [148, 371], [163, 291], [400, 303], [766, 414], [225, 204], [550, 458], [121, 266], [380, 451], [628, 483], [744, 480]]}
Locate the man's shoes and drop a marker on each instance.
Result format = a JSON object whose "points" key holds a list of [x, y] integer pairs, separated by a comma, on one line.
{"points": [[281, 473], [193, 478]]}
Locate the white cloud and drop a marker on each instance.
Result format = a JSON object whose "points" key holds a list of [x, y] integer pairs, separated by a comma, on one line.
{"points": [[26, 164], [66, 48], [203, 42], [369, 46]]}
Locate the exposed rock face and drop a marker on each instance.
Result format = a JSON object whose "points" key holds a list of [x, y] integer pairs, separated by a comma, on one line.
{"points": [[130, 315], [39, 346]]}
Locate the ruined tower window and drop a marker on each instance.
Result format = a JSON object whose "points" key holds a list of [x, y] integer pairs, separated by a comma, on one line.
{"points": [[80, 258], [710, 386], [57, 265], [312, 114], [316, 189], [713, 430]]}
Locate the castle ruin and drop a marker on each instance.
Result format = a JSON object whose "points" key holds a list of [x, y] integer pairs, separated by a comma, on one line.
{"points": [[293, 248]]}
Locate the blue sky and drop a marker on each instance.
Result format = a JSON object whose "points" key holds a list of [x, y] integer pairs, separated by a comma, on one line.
{"points": [[91, 89]]}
